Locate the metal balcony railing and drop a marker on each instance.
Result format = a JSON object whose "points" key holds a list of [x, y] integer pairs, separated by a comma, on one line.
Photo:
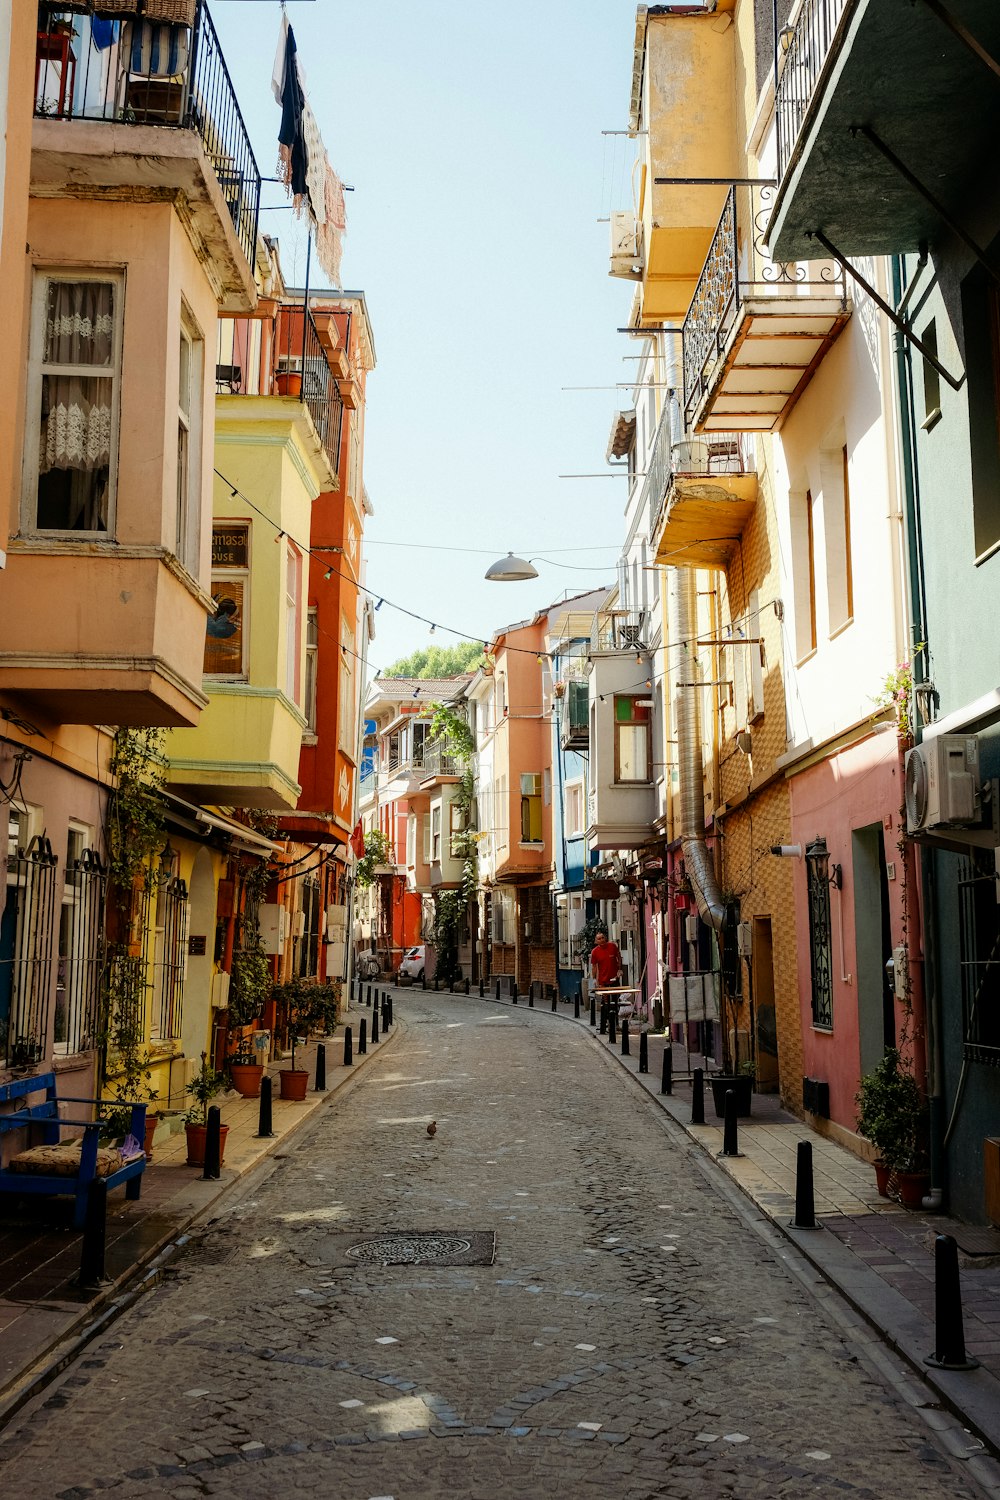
{"points": [[140, 72], [737, 270], [699, 456], [303, 370], [800, 69], [619, 630]]}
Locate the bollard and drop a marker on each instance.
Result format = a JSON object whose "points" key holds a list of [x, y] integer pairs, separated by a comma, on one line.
{"points": [[643, 1053], [576, 1006], [389, 998], [92, 1275], [374, 1025], [805, 1212], [385, 1018], [626, 1050], [466, 986], [949, 1332], [593, 1010], [513, 989], [321, 1068], [604, 1017], [423, 981], [531, 996], [498, 990], [363, 1036], [612, 1024], [698, 1097], [349, 1046], [555, 1003], [667, 1076], [730, 1129], [482, 989], [368, 1002], [264, 1130], [213, 1147]]}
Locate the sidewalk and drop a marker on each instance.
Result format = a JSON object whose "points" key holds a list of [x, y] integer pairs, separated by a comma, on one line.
{"points": [[41, 1311], [877, 1254]]}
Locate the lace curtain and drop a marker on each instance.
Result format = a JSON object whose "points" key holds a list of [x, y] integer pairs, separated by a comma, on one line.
{"points": [[76, 408]]}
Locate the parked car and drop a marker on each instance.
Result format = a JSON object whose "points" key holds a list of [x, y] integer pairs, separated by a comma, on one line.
{"points": [[413, 964]]}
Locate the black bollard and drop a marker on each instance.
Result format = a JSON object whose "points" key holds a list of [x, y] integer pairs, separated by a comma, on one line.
{"points": [[482, 989], [698, 1097], [385, 1018], [513, 989], [593, 1010], [576, 1006], [498, 990], [349, 1046], [555, 1003], [92, 1275], [949, 1332], [626, 1050], [368, 1002], [805, 1211], [213, 1146], [374, 1025], [389, 998], [264, 1127], [423, 981], [643, 1053], [612, 1024], [667, 1076], [531, 996], [363, 1036], [466, 986], [321, 1068], [730, 1129], [604, 1018]]}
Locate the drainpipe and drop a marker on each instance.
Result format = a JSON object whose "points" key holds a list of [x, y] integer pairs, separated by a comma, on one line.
{"points": [[932, 1000], [687, 725]]}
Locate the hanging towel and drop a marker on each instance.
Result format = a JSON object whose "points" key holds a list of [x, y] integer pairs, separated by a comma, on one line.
{"points": [[293, 158], [103, 34]]}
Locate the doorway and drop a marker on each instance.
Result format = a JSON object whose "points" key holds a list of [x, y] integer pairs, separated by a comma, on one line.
{"points": [[873, 942], [762, 978]]}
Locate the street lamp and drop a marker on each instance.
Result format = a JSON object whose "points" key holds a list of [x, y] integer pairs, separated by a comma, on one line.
{"points": [[510, 569], [818, 861]]}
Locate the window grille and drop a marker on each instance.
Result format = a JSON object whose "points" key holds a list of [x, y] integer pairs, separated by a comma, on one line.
{"points": [[979, 957], [820, 955], [309, 946], [26, 953], [171, 957], [81, 953]]}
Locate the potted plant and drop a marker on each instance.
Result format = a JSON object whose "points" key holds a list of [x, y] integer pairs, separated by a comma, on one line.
{"points": [[245, 1069], [249, 985], [742, 1085], [204, 1087], [298, 1001], [288, 382], [892, 1116]]}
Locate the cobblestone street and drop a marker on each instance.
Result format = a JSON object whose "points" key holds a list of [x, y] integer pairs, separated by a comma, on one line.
{"points": [[634, 1336]]}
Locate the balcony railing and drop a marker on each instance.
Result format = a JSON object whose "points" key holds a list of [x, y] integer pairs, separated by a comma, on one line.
{"points": [[303, 370], [143, 73], [808, 49], [700, 456], [738, 271], [619, 630]]}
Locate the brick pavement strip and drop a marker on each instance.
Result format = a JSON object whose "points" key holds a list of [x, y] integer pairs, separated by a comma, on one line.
{"points": [[633, 1337]]}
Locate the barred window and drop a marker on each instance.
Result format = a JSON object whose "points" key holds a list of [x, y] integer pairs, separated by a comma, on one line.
{"points": [[309, 942], [81, 946], [820, 955], [26, 945], [170, 957], [979, 957]]}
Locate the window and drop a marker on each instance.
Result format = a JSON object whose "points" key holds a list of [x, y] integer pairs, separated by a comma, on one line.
{"points": [[803, 571], [312, 656], [170, 950], [71, 438], [458, 825], [633, 746], [503, 915], [575, 810], [501, 812], [26, 943], [421, 736], [932, 379], [81, 929], [293, 616], [226, 635], [345, 700], [834, 472], [820, 953], [308, 944], [189, 388], [755, 660], [436, 833], [811, 565], [979, 956], [411, 841], [531, 808], [427, 838]]}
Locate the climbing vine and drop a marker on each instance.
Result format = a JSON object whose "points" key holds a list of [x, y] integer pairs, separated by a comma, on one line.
{"points": [[450, 907]]}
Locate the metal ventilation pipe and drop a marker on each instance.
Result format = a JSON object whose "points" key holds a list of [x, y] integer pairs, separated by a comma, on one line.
{"points": [[682, 621]]}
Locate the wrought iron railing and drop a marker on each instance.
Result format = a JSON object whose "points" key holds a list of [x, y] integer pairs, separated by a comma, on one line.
{"points": [[26, 959], [619, 630], [800, 68], [738, 269], [142, 73], [321, 393], [171, 958], [81, 954], [702, 455]]}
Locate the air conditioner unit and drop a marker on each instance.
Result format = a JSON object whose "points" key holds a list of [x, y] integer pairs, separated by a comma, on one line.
{"points": [[744, 939], [624, 248], [942, 783]]}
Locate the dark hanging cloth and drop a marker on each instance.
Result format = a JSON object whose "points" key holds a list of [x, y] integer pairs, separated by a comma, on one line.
{"points": [[293, 154]]}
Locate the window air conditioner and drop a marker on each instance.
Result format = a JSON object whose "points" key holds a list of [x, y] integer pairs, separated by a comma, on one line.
{"points": [[942, 783]]}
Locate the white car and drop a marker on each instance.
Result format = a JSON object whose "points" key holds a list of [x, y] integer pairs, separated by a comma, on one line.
{"points": [[413, 964]]}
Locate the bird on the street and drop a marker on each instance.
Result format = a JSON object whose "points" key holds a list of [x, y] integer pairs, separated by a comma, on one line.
{"points": [[432, 1128]]}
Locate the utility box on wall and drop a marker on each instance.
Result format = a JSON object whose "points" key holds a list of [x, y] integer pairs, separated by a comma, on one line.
{"points": [[273, 919]]}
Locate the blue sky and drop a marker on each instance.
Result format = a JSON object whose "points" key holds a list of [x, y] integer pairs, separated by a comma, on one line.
{"points": [[472, 137]]}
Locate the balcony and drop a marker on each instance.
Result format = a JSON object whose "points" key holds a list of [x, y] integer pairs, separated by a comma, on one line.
{"points": [[152, 112], [702, 493], [756, 329], [885, 116], [573, 712], [618, 632], [432, 763]]}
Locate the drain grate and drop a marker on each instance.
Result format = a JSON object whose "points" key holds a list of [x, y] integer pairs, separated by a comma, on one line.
{"points": [[433, 1247]]}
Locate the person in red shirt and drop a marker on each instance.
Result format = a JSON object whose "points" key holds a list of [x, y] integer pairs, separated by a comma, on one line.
{"points": [[605, 961]]}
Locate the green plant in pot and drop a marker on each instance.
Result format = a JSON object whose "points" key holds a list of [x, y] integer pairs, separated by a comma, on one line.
{"points": [[203, 1088], [298, 1001], [892, 1115]]}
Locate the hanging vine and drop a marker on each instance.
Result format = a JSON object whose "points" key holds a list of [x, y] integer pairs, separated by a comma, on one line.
{"points": [[450, 907]]}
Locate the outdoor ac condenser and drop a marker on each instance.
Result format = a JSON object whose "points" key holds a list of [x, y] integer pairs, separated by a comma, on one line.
{"points": [[624, 250], [942, 783]]}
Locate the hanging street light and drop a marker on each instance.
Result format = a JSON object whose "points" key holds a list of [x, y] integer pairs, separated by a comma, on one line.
{"points": [[510, 569]]}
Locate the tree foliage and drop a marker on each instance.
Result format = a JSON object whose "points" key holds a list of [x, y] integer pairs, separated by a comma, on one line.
{"points": [[438, 661]]}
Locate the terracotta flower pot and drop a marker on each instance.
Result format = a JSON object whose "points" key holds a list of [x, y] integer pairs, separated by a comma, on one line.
{"points": [[882, 1176], [913, 1187], [196, 1135], [294, 1082], [246, 1078], [147, 1145], [288, 382]]}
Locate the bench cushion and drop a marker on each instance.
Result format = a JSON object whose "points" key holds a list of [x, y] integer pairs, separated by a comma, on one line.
{"points": [[64, 1161]]}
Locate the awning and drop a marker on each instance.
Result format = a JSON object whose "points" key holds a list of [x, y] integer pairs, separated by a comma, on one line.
{"points": [[213, 828], [622, 434]]}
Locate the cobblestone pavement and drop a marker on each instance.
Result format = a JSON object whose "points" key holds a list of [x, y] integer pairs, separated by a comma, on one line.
{"points": [[633, 1337]]}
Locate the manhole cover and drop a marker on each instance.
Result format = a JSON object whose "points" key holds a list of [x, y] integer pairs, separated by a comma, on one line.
{"points": [[432, 1247]]}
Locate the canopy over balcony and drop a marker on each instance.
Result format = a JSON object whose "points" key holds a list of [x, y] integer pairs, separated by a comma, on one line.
{"points": [[886, 114]]}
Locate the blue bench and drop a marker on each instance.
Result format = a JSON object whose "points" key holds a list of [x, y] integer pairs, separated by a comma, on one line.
{"points": [[76, 1176]]}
